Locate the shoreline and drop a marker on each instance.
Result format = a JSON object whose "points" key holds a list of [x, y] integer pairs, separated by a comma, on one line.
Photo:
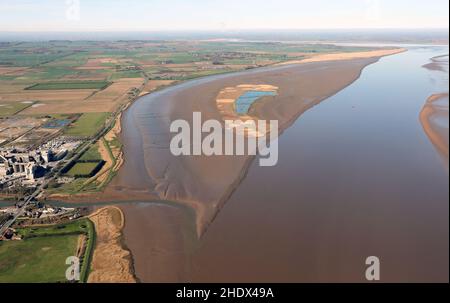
{"points": [[436, 64], [347, 56]]}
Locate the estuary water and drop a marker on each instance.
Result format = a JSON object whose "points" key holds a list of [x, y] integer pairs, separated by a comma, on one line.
{"points": [[356, 177]]}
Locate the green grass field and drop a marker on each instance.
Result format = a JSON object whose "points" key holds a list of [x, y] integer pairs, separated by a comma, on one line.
{"points": [[10, 109], [83, 169], [126, 74], [69, 85], [75, 227], [36, 260], [91, 154], [41, 255], [87, 125], [71, 188]]}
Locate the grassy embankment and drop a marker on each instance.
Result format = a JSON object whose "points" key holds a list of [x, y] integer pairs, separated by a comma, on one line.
{"points": [[41, 255]]}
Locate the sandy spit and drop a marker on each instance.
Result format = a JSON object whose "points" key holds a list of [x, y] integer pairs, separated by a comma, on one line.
{"points": [[111, 262], [347, 56]]}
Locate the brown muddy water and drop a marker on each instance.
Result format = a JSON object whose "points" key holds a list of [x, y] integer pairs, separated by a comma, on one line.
{"points": [[357, 177]]}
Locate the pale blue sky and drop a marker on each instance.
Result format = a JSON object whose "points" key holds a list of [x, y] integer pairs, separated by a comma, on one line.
{"points": [[129, 15]]}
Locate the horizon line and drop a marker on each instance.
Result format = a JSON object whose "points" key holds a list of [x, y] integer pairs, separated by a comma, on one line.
{"points": [[220, 30]]}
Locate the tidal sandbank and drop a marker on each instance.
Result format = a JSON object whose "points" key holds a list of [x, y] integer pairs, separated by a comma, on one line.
{"points": [[435, 122], [111, 262]]}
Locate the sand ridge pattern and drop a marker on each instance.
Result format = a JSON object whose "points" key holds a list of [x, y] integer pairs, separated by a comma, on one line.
{"points": [[434, 114], [437, 108], [111, 263]]}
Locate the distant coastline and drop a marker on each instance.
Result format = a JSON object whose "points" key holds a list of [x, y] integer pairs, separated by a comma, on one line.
{"points": [[403, 36]]}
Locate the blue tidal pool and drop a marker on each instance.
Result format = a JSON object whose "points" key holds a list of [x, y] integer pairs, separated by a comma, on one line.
{"points": [[243, 103]]}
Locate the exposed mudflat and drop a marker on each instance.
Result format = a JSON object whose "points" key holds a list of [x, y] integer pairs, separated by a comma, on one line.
{"points": [[204, 183]]}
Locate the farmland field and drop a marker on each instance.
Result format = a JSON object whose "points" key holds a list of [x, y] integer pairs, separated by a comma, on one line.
{"points": [[10, 109], [87, 125], [69, 85], [60, 76]]}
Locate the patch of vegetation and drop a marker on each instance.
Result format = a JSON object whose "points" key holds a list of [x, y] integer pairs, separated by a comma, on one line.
{"points": [[71, 228], [10, 109], [87, 125], [47, 73], [89, 252], [91, 155], [85, 169], [126, 74], [36, 260], [115, 143], [70, 85], [41, 255], [22, 56], [71, 188], [111, 172]]}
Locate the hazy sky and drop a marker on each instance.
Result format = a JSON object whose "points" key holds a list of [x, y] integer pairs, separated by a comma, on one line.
{"points": [[128, 15]]}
